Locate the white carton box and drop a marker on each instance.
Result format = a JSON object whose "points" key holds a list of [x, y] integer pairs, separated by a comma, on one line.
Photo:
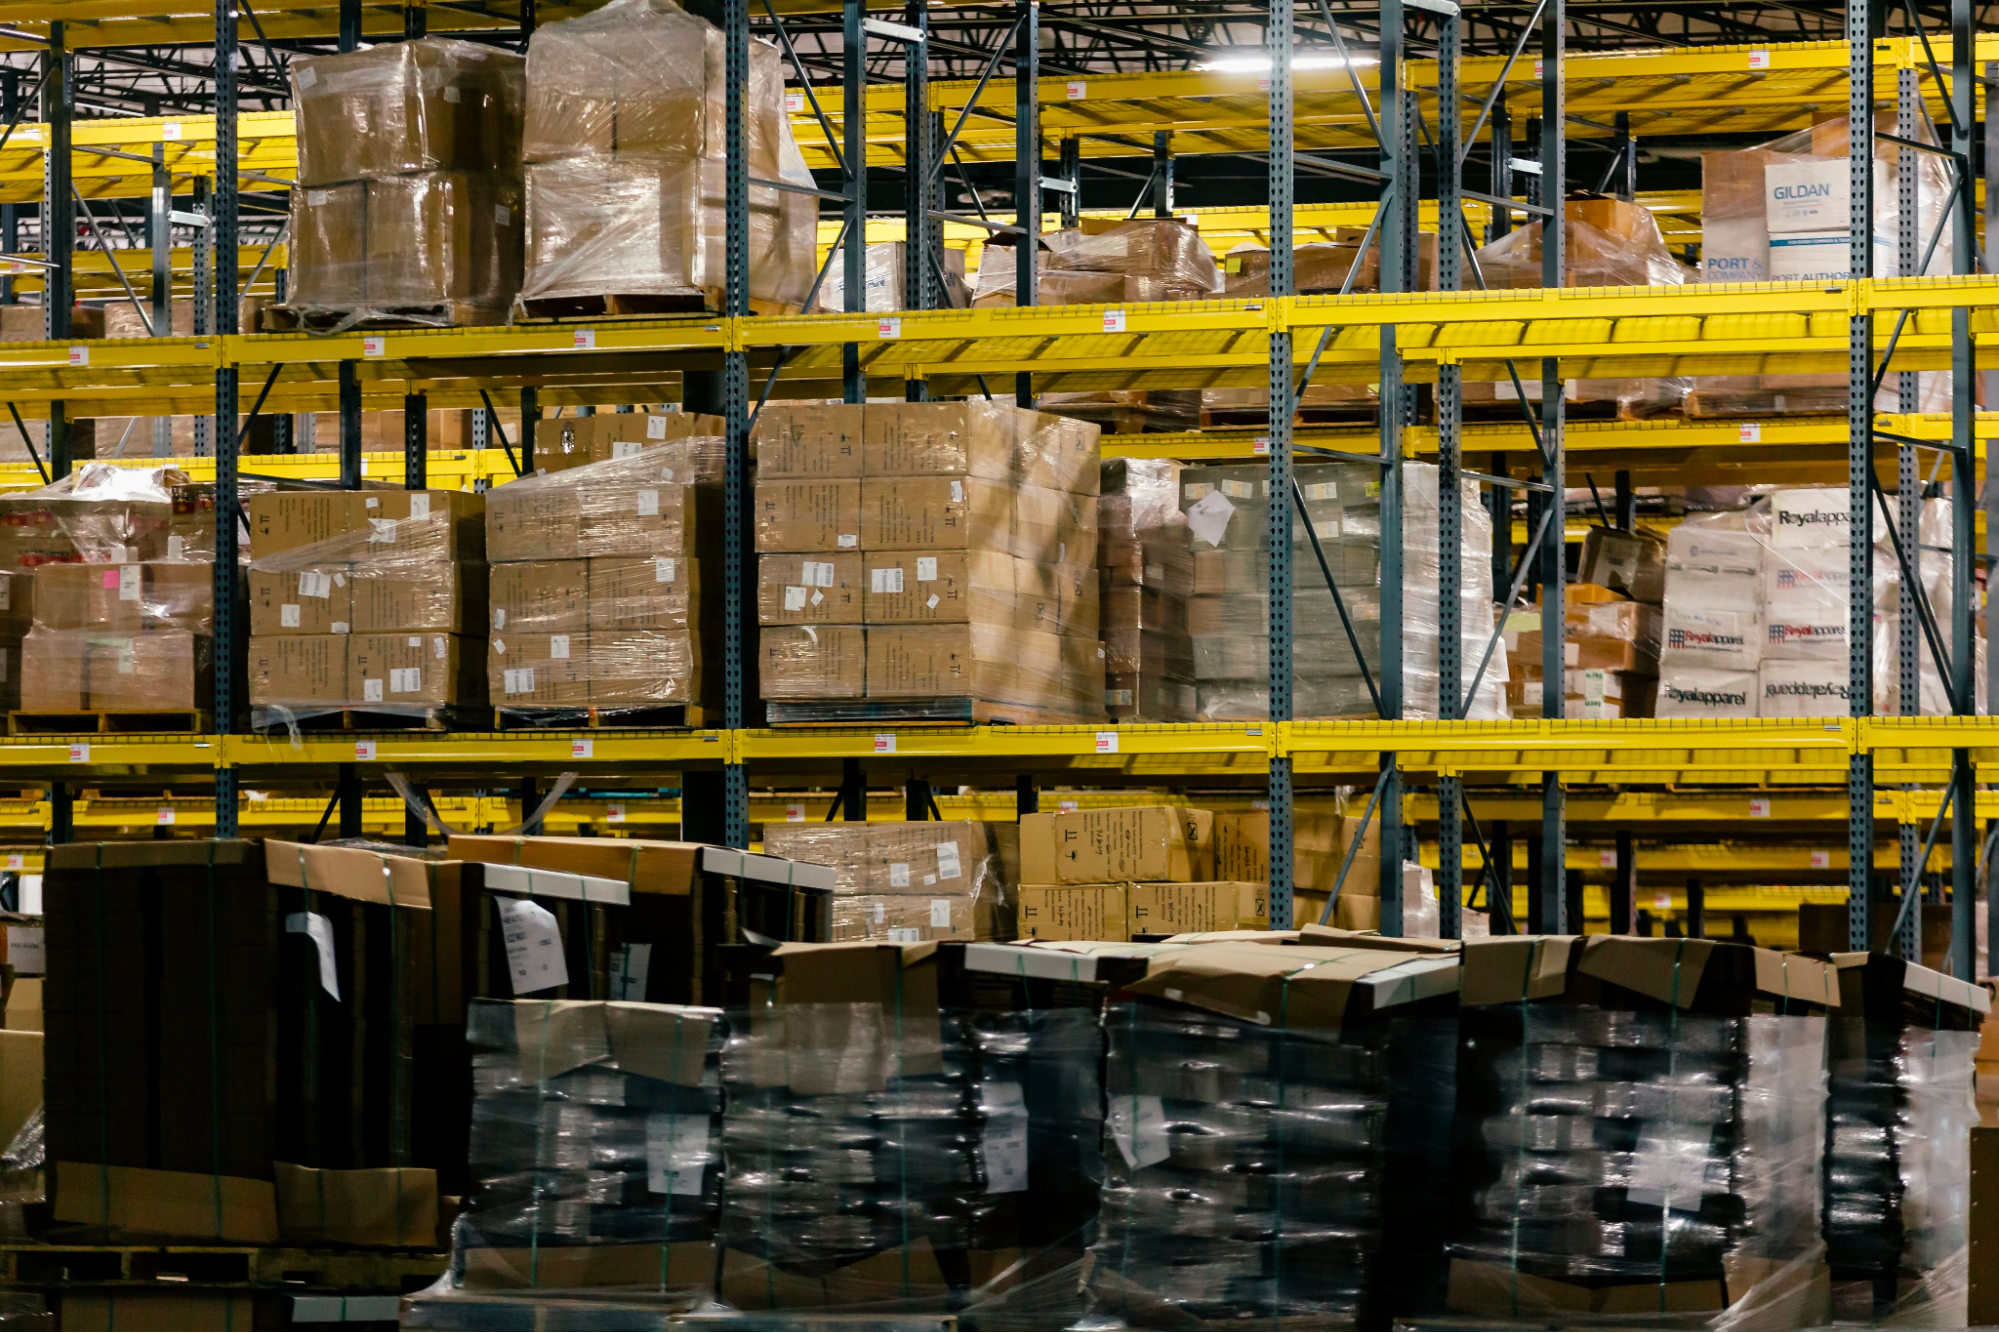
{"points": [[1803, 689], [1707, 694], [1712, 640], [1823, 256], [1809, 632], [1809, 520], [1816, 194], [1735, 250]]}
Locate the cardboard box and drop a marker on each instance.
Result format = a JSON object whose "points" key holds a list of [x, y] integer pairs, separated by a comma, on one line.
{"points": [[648, 865], [965, 661], [813, 588], [55, 672], [918, 856], [1633, 563], [298, 670], [318, 600], [808, 515], [20, 1079], [127, 598], [912, 587], [432, 105], [644, 592], [409, 671], [24, 323], [329, 245], [572, 441], [924, 513], [1319, 842], [904, 918], [818, 440], [387, 1206], [394, 596], [966, 439], [161, 669], [643, 668], [1175, 909], [620, 517], [442, 237], [1138, 843], [1075, 911], [539, 597], [814, 662], [136, 1201], [538, 670]]}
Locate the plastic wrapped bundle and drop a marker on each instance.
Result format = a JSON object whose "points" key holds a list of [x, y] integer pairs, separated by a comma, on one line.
{"points": [[887, 267], [99, 514], [906, 883], [1897, 1158], [1158, 259], [405, 107], [1275, 1133], [1638, 1133], [84, 669], [597, 1151]]}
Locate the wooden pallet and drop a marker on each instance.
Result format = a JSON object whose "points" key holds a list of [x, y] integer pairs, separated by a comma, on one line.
{"points": [[452, 717], [109, 722], [1252, 419], [49, 1263], [953, 711], [1762, 403], [330, 319], [641, 305], [666, 717], [1509, 413]]}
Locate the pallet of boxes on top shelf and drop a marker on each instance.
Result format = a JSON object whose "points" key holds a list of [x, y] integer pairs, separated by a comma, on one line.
{"points": [[1144, 574], [599, 613], [927, 562], [362, 607], [409, 206], [626, 138]]}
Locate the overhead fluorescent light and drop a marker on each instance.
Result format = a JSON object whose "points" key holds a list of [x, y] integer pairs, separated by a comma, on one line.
{"points": [[1260, 64]]}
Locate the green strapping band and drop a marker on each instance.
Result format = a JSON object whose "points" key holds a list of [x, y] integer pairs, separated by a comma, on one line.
{"points": [[398, 1141], [1672, 1060], [541, 1094]]}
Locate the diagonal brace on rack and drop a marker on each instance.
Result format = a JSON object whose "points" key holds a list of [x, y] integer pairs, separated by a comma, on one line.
{"points": [[1360, 835], [1910, 898], [1339, 602], [805, 80], [1925, 614], [1512, 595], [985, 76]]}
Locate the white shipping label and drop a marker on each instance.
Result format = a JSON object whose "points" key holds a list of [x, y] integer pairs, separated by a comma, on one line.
{"points": [[655, 426], [948, 864], [420, 505], [1208, 518], [817, 597], [320, 931], [307, 77], [440, 646], [614, 813], [128, 659], [794, 598], [932, 603], [1107, 742], [1238, 490], [904, 935], [131, 579], [627, 448], [817, 574], [405, 680], [957, 491], [1114, 321], [794, 814], [629, 966], [885, 580], [534, 945], [850, 541], [502, 216], [1138, 1126], [1005, 1137], [881, 912], [382, 530], [926, 569], [884, 742], [313, 583], [940, 913], [519, 680], [26, 952], [664, 567], [898, 874], [452, 95], [558, 646], [288, 615], [648, 501], [176, 548], [676, 1152], [1821, 860]]}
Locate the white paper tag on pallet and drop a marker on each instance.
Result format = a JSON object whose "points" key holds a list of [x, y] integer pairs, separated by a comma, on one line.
{"points": [[320, 931], [1005, 1137], [26, 952], [676, 1153], [1138, 1126], [534, 945], [628, 971], [949, 864]]}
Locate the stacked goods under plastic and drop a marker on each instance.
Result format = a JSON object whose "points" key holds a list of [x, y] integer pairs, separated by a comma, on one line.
{"points": [[887, 271], [1228, 526], [409, 198], [1279, 1127], [364, 600], [578, 440], [917, 557], [1325, 267], [1897, 1159], [596, 1157], [625, 140], [1145, 574], [1118, 874], [1605, 243], [1325, 838], [905, 883], [1612, 630], [597, 599], [1782, 212], [1640, 1132], [905, 1131]]}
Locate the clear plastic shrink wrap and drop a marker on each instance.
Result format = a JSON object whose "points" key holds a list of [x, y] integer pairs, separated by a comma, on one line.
{"points": [[365, 600], [597, 1157], [410, 198], [1780, 212], [1226, 510], [1898, 1122], [1278, 1129], [597, 602], [1645, 1149], [98, 514], [903, 1135], [625, 141], [1151, 259], [906, 883], [1145, 574]]}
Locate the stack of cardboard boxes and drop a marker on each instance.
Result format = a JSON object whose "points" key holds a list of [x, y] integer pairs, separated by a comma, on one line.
{"points": [[625, 139], [1612, 632], [576, 441], [363, 600], [916, 552], [905, 883], [597, 601], [1322, 835], [886, 271], [1145, 573], [1116, 874], [409, 198]]}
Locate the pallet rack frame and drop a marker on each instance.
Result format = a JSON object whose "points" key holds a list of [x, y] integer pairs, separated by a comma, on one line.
{"points": [[1452, 748]]}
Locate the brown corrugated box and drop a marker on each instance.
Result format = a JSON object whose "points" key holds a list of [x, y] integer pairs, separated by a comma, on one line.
{"points": [[814, 662], [810, 588], [319, 600], [1075, 912], [820, 440], [329, 244], [644, 592], [136, 1201], [570, 442], [159, 669], [440, 237], [24, 323], [648, 865], [930, 661], [1174, 909], [155, 594], [430, 105], [924, 513], [391, 596], [538, 670], [386, 1206], [633, 668], [905, 918], [919, 856], [808, 515], [920, 587], [53, 673], [1319, 845], [960, 439], [540, 596], [293, 670], [412, 670], [450, 524], [1152, 843]]}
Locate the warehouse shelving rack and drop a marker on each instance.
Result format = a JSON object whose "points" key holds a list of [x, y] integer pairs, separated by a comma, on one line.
{"points": [[1397, 339]]}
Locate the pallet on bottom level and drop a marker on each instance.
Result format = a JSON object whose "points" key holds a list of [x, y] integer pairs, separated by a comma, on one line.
{"points": [[461, 1311], [640, 305], [1249, 419], [956, 709], [335, 319], [450, 717], [666, 717], [109, 721], [47, 1264]]}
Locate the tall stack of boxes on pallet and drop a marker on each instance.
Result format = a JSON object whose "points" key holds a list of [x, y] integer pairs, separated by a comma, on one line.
{"points": [[916, 557], [908, 882], [1145, 573], [1612, 631]]}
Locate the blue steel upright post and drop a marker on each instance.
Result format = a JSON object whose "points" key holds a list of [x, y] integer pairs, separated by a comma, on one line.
{"points": [[1450, 460], [1552, 556], [1860, 21], [736, 547], [1398, 169], [1280, 513], [222, 212]]}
